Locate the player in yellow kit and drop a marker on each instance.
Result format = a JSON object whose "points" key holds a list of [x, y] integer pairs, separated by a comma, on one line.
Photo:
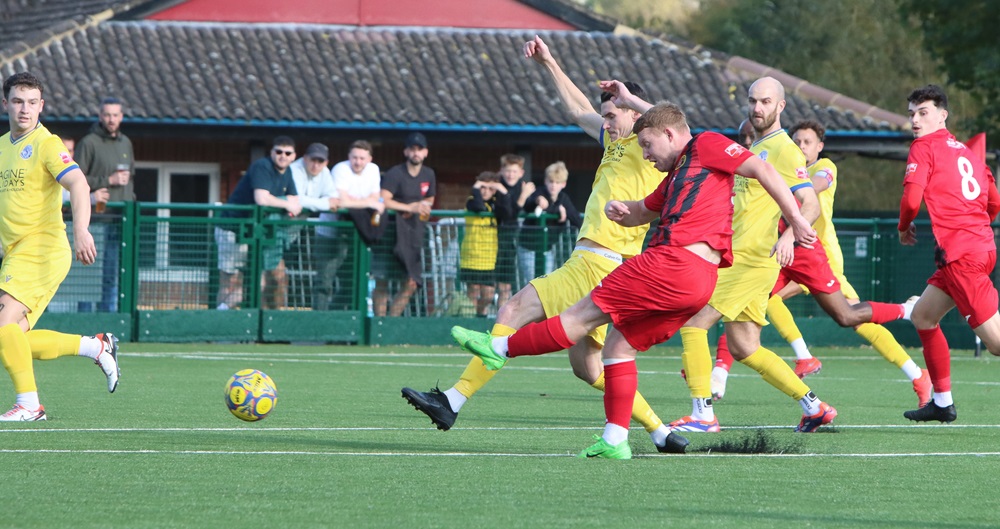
{"points": [[742, 291], [623, 175], [810, 136], [37, 256]]}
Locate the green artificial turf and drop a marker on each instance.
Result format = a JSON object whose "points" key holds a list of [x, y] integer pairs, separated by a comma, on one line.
{"points": [[342, 449]]}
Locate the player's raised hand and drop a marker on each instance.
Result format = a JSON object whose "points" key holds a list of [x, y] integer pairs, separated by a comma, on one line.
{"points": [[616, 210], [537, 49], [618, 90]]}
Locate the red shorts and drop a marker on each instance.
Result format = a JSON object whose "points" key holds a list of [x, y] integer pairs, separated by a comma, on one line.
{"points": [[811, 269], [967, 281], [650, 296]]}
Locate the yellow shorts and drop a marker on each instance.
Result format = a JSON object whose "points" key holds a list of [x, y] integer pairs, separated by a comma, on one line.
{"points": [[742, 292], [573, 281], [33, 269]]}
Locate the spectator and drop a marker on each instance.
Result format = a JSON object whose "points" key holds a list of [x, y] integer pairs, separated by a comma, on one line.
{"points": [[359, 183], [408, 189], [510, 200], [318, 194], [549, 200], [98, 195], [105, 155], [478, 255], [267, 182]]}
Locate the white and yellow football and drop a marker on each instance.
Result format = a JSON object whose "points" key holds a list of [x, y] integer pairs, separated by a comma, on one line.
{"points": [[251, 395]]}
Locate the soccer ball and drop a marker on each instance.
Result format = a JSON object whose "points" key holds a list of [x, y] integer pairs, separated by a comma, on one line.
{"points": [[251, 395]]}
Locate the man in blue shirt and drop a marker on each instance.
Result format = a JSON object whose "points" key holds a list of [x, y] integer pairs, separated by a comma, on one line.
{"points": [[267, 182]]}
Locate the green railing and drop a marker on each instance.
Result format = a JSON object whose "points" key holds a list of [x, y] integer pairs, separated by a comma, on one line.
{"points": [[168, 278]]}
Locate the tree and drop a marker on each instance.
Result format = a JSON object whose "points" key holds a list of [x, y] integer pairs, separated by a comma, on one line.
{"points": [[962, 35]]}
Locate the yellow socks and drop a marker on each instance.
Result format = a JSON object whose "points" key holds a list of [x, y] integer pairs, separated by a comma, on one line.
{"points": [[697, 362], [776, 372], [642, 413], [779, 315], [15, 352], [49, 345], [476, 375], [884, 342]]}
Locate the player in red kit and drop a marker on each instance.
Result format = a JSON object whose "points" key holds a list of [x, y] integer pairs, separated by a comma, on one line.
{"points": [[962, 200], [653, 294]]}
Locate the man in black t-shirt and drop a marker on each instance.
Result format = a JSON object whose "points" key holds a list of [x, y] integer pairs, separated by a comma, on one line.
{"points": [[408, 189]]}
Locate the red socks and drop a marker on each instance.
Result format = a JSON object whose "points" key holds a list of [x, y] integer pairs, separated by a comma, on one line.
{"points": [[885, 312], [723, 358], [539, 338], [620, 383], [937, 357]]}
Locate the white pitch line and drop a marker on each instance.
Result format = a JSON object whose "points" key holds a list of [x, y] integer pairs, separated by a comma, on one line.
{"points": [[312, 359], [382, 354], [492, 429], [471, 454]]}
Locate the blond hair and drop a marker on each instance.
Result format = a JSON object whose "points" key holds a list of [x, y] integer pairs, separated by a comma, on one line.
{"points": [[557, 173]]}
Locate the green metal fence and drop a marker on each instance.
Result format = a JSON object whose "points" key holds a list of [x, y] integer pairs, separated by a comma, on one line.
{"points": [[158, 277]]}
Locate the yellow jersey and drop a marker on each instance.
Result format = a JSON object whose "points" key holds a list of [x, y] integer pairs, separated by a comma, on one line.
{"points": [[622, 175], [479, 246], [30, 194], [826, 169], [755, 213]]}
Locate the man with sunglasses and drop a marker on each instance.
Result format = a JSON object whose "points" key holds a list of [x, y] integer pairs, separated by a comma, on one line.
{"points": [[267, 182]]}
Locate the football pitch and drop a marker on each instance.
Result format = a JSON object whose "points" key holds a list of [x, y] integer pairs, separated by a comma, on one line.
{"points": [[343, 449]]}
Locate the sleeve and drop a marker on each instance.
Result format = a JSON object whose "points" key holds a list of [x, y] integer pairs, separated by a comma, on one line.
{"points": [[339, 177], [56, 158], [388, 182], [475, 202], [827, 172], [532, 201], [909, 205], [374, 177], [258, 179], [505, 208], [919, 163], [721, 154], [432, 189], [654, 201], [329, 189]]}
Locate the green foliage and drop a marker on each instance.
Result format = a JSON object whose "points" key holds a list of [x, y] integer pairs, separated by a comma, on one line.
{"points": [[862, 48], [963, 35]]}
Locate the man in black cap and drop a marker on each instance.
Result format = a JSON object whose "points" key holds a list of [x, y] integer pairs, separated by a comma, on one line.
{"points": [[408, 189]]}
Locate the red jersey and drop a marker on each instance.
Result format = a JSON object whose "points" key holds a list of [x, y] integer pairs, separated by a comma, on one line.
{"points": [[956, 187], [695, 200]]}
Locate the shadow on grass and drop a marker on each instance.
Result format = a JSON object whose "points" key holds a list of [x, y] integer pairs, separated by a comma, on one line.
{"points": [[755, 442]]}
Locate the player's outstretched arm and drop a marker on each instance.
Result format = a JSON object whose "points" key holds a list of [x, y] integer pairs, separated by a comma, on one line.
{"points": [[79, 199], [579, 107], [630, 213], [775, 186]]}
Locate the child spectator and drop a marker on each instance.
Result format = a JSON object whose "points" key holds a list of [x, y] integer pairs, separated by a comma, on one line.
{"points": [[478, 254], [510, 200], [536, 238]]}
